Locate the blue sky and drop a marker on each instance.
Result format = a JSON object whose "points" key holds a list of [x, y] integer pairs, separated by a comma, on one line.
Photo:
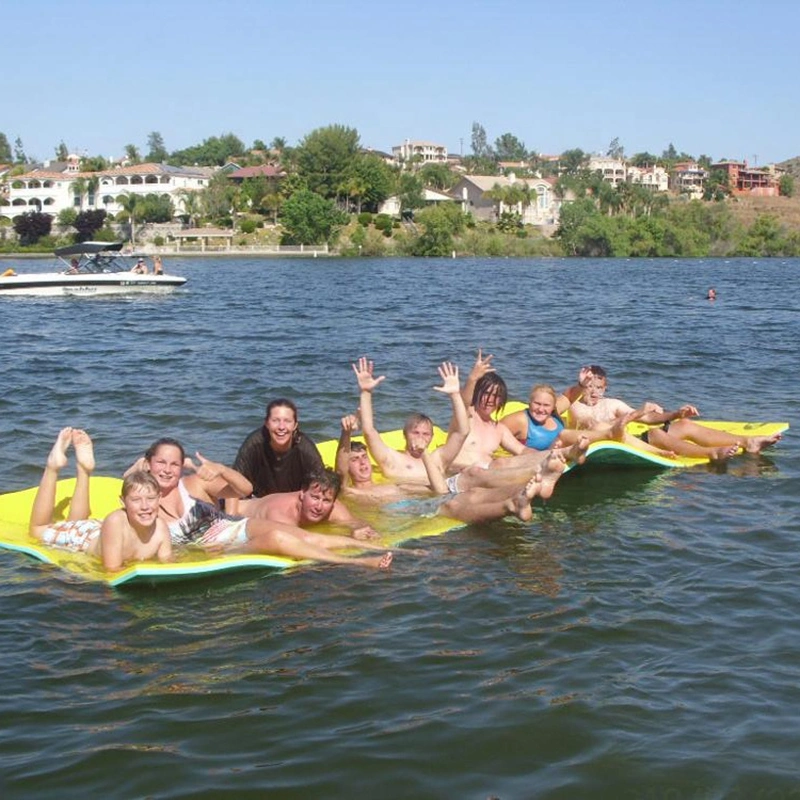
{"points": [[714, 77]]}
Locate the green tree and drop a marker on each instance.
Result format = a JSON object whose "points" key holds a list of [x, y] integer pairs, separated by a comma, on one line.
{"points": [[573, 162], [786, 185], [32, 226], [214, 151], [644, 159], [156, 151], [129, 203], [480, 142], [374, 179], [763, 239], [309, 218], [5, 150], [19, 152], [192, 203], [325, 158], [438, 176], [87, 223], [93, 164], [62, 154], [509, 148], [410, 191], [440, 224], [155, 208], [718, 185], [132, 154], [615, 149], [218, 198]]}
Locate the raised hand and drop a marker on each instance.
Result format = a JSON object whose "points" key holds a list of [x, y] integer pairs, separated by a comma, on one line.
{"points": [[449, 375], [350, 423], [208, 470], [363, 370], [482, 365]]}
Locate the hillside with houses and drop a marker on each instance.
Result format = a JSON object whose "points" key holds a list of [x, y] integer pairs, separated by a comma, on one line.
{"points": [[330, 190]]}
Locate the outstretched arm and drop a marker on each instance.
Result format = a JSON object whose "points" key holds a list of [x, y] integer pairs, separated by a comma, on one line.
{"points": [[653, 414], [341, 515]]}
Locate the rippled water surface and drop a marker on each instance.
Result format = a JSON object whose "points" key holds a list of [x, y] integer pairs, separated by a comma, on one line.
{"points": [[640, 638]]}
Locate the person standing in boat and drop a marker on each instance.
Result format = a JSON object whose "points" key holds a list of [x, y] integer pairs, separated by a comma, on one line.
{"points": [[158, 267], [277, 457]]}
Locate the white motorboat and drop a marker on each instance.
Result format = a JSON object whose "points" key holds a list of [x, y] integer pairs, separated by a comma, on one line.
{"points": [[92, 269]]}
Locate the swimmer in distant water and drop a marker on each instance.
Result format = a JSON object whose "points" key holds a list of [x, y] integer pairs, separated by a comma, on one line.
{"points": [[712, 294], [132, 533]]}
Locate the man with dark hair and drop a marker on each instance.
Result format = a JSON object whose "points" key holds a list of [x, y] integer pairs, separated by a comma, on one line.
{"points": [[315, 502]]}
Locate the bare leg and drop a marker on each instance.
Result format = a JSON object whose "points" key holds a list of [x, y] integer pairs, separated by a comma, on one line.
{"points": [[480, 505], [687, 429], [45, 500], [725, 447], [84, 457]]}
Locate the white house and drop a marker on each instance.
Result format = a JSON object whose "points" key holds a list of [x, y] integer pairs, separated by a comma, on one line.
{"points": [[53, 188], [420, 152], [391, 205], [542, 211], [613, 170], [654, 178]]}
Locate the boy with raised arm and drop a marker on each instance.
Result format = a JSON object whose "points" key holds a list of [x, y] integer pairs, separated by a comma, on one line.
{"points": [[405, 466]]}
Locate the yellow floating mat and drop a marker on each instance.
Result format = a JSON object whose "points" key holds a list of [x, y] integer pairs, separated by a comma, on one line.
{"points": [[395, 528], [15, 510]]}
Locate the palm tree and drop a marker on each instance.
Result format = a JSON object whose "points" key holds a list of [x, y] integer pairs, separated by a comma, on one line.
{"points": [[128, 202], [192, 203], [79, 186]]}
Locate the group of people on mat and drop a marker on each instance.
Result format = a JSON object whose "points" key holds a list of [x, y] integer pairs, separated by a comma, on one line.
{"points": [[278, 484]]}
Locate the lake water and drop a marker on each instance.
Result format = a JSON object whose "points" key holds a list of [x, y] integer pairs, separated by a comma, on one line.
{"points": [[640, 638]]}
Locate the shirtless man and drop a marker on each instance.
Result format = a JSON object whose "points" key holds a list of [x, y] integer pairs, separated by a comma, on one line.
{"points": [[676, 433], [405, 466], [472, 505], [476, 463], [315, 502], [133, 533]]}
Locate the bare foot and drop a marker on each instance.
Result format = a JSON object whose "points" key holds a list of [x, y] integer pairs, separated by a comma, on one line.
{"points": [[723, 453], [577, 452], [57, 458], [755, 444], [84, 452], [617, 430], [522, 502], [552, 469], [384, 562]]}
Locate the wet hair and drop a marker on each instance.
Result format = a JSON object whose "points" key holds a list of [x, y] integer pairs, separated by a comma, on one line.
{"points": [[358, 447], [415, 419], [543, 387], [598, 371], [164, 441], [490, 384], [324, 478], [139, 479], [284, 402]]}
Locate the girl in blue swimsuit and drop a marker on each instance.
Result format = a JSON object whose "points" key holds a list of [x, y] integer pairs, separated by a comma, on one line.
{"points": [[538, 426]]}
